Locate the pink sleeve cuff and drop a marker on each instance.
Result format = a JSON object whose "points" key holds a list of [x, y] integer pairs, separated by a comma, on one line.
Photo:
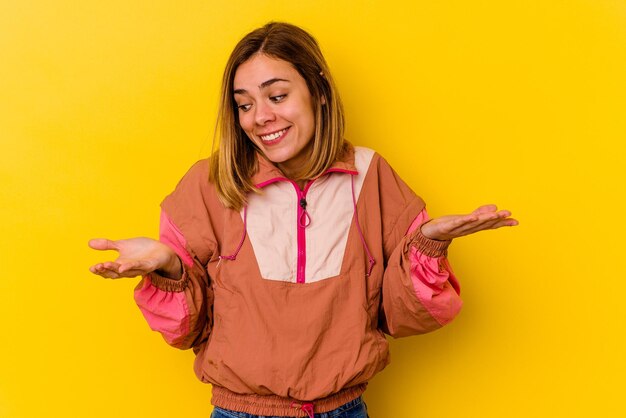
{"points": [[162, 301], [165, 312]]}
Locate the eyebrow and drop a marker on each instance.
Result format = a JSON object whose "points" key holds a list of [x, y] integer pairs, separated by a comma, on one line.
{"points": [[263, 85]]}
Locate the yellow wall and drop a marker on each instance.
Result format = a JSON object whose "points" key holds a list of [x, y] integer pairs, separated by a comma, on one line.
{"points": [[104, 105]]}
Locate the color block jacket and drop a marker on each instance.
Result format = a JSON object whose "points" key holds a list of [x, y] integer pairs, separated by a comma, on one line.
{"points": [[289, 299]]}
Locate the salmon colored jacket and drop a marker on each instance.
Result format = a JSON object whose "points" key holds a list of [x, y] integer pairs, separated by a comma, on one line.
{"points": [[286, 303]]}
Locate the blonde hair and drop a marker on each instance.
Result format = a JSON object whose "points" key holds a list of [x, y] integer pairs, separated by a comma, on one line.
{"points": [[233, 166]]}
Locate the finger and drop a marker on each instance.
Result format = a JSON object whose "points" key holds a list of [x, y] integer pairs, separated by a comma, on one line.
{"points": [[133, 273], [103, 244], [461, 223], [491, 216], [506, 222], [469, 229], [485, 209], [493, 224], [480, 222], [496, 224], [488, 224], [138, 265], [111, 270], [111, 265], [130, 271], [107, 274], [488, 209], [97, 268]]}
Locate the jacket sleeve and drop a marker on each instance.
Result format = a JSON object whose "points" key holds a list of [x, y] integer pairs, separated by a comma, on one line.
{"points": [[420, 292], [177, 308], [181, 310]]}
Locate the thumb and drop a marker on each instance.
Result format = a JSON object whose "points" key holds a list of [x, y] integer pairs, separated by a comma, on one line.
{"points": [[103, 244]]}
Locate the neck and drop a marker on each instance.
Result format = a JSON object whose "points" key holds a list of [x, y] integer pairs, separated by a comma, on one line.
{"points": [[289, 174], [301, 183]]}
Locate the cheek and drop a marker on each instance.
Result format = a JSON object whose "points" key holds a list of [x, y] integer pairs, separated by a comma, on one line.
{"points": [[308, 120], [245, 122], [304, 115]]}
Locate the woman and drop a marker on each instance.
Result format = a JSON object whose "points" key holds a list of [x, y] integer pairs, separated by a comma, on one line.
{"points": [[285, 256]]}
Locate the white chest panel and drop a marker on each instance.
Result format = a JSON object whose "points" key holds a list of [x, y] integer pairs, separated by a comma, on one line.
{"points": [[272, 224]]}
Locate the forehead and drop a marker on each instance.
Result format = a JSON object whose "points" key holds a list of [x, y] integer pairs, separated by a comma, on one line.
{"points": [[261, 68]]}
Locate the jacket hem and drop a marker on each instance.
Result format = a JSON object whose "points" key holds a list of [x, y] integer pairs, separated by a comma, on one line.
{"points": [[277, 405]]}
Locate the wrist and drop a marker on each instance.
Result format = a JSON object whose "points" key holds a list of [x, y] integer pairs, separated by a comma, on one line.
{"points": [[428, 231], [429, 246], [173, 269]]}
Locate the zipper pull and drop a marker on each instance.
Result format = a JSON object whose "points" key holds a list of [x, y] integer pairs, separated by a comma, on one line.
{"points": [[305, 219]]}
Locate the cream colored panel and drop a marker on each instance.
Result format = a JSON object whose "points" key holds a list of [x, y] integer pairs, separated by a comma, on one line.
{"points": [[272, 224], [272, 230], [330, 205]]}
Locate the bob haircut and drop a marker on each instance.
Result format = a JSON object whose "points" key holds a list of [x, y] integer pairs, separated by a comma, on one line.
{"points": [[233, 166]]}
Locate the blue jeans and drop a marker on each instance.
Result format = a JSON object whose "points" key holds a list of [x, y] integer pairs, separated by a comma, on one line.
{"points": [[354, 409]]}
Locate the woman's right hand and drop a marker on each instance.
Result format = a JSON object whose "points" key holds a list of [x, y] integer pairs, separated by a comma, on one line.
{"points": [[137, 256]]}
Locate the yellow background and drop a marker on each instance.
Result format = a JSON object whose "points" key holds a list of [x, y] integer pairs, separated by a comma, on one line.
{"points": [[104, 105]]}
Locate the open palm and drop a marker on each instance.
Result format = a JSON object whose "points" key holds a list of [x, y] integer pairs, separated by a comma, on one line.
{"points": [[137, 256], [454, 226]]}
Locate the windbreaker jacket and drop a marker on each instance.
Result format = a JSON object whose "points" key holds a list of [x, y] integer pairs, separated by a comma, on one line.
{"points": [[290, 297]]}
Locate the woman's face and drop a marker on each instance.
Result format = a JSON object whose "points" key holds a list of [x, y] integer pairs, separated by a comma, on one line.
{"points": [[275, 110]]}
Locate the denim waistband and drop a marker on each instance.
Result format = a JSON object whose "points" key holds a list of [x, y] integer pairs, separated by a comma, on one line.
{"points": [[352, 408]]}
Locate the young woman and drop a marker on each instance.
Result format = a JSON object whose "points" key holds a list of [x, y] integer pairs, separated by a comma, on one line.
{"points": [[285, 257]]}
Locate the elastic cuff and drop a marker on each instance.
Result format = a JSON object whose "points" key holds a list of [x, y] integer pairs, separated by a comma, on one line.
{"points": [[168, 285], [429, 247]]}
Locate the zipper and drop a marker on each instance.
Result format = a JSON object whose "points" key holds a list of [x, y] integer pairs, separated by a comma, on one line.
{"points": [[302, 222]]}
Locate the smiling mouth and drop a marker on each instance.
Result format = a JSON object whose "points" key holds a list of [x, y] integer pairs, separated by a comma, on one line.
{"points": [[273, 137]]}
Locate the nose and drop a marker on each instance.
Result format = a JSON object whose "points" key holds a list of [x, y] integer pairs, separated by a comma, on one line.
{"points": [[264, 113]]}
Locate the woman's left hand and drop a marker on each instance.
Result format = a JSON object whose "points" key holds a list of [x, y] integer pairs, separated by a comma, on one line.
{"points": [[454, 226]]}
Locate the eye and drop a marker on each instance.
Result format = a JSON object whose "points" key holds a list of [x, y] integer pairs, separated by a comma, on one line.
{"points": [[278, 99], [244, 107]]}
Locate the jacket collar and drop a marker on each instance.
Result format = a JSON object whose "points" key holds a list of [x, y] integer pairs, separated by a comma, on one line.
{"points": [[268, 173]]}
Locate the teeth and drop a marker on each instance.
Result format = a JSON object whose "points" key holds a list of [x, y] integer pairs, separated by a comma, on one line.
{"points": [[273, 136]]}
